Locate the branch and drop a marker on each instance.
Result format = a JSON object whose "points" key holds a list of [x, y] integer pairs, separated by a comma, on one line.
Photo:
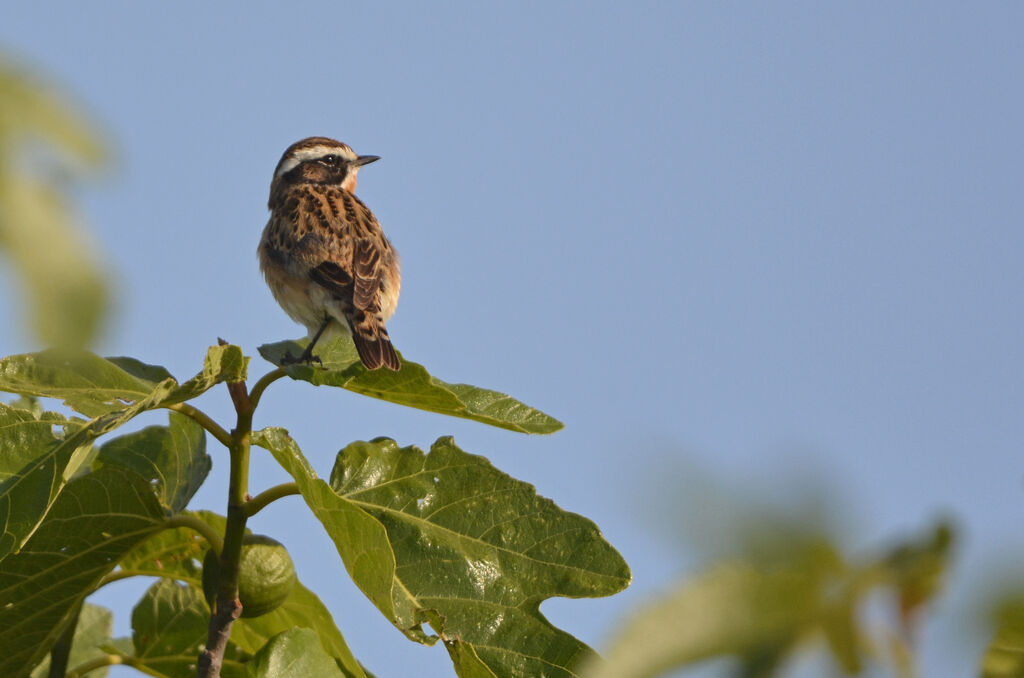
{"points": [[260, 501], [200, 526], [227, 607], [260, 386], [203, 420]]}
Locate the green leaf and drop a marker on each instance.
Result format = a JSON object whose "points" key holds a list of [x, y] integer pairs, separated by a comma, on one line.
{"points": [[26, 435], [733, 609], [449, 540], [302, 609], [173, 458], [95, 521], [1004, 657], [169, 630], [411, 386], [295, 653], [95, 624], [173, 554], [63, 278], [178, 554], [32, 108], [93, 386]]}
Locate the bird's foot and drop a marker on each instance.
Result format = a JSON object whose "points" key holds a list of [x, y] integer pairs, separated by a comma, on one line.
{"points": [[305, 358]]}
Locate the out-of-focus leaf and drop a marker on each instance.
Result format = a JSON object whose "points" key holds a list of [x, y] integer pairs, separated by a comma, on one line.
{"points": [[31, 108], [173, 458], [1004, 657], [96, 387], [95, 624], [93, 523], [169, 628], [295, 653], [733, 609], [411, 386], [918, 567], [66, 289], [449, 540]]}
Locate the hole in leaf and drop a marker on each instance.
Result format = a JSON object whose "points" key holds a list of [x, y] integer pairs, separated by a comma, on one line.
{"points": [[57, 430]]}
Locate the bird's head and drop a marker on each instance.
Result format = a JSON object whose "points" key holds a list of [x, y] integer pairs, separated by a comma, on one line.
{"points": [[319, 160]]}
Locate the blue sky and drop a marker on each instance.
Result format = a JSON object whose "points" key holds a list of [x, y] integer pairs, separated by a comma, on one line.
{"points": [[778, 244]]}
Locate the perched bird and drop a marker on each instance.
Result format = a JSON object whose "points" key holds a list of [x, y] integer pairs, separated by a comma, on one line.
{"points": [[323, 253]]}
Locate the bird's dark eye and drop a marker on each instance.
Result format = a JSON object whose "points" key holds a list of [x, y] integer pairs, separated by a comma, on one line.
{"points": [[330, 159]]}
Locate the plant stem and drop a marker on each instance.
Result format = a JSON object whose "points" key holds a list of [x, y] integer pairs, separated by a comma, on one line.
{"points": [[62, 648], [202, 527], [260, 386], [93, 664], [227, 607], [203, 420], [260, 501], [111, 660]]}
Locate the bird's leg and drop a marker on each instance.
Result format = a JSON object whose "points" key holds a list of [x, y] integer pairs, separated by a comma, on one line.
{"points": [[307, 355]]}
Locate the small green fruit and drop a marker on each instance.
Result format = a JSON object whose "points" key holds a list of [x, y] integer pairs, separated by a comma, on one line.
{"points": [[265, 578]]}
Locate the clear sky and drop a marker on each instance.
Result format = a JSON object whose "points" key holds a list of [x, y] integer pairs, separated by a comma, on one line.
{"points": [[779, 243]]}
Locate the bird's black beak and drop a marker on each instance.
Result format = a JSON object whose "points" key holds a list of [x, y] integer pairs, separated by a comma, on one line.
{"points": [[366, 160]]}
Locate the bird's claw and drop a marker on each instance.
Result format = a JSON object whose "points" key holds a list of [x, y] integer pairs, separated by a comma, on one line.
{"points": [[305, 359]]}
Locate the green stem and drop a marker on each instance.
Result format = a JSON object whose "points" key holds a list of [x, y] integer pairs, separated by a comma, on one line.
{"points": [[260, 501], [115, 576], [203, 420], [93, 664], [62, 648], [227, 607], [260, 386], [111, 660], [200, 526]]}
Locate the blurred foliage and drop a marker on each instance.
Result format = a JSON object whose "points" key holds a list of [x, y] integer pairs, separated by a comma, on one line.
{"points": [[1005, 655], [761, 611], [44, 147]]}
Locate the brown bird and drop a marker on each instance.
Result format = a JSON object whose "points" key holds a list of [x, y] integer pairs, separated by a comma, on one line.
{"points": [[323, 253]]}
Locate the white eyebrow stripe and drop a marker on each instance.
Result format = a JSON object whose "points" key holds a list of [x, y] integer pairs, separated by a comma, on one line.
{"points": [[311, 153]]}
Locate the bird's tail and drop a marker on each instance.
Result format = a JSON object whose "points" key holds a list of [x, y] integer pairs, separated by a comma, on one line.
{"points": [[372, 342]]}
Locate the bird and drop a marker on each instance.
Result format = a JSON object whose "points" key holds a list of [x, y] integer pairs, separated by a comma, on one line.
{"points": [[324, 255]]}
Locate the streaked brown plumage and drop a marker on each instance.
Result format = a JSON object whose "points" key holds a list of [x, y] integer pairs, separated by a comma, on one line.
{"points": [[323, 253]]}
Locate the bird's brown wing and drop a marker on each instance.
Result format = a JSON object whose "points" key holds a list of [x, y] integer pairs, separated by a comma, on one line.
{"points": [[333, 277], [359, 285], [366, 265]]}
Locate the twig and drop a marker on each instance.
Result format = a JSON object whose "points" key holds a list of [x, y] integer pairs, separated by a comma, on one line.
{"points": [[260, 501]]}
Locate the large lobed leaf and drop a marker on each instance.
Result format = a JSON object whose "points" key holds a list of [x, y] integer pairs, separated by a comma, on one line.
{"points": [[97, 519], [176, 554], [447, 539], [411, 386], [111, 391], [172, 457]]}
